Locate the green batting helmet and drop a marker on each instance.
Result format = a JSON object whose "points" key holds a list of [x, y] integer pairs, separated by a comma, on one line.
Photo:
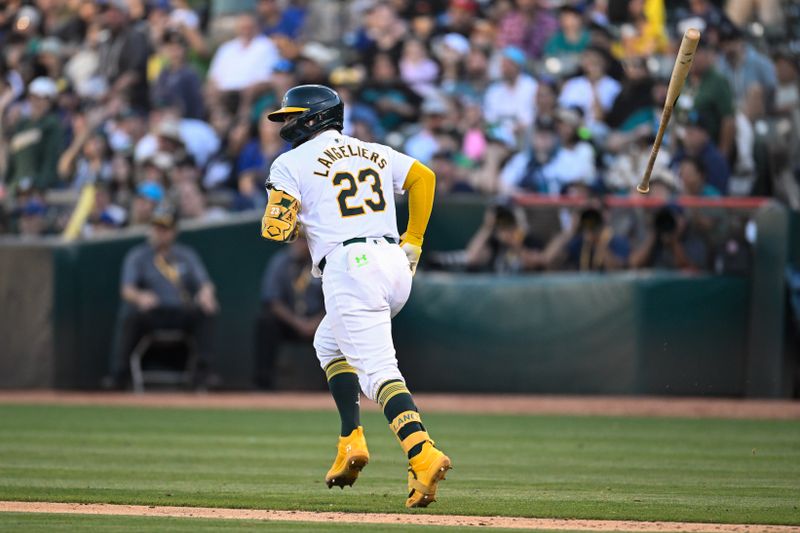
{"points": [[316, 107]]}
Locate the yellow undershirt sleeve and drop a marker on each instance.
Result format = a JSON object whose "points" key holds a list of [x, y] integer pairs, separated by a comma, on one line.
{"points": [[421, 186]]}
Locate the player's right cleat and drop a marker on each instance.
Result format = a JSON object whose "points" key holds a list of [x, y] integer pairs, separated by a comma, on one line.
{"points": [[425, 471], [352, 455]]}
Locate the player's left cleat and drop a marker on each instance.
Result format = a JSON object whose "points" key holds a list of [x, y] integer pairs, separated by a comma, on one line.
{"points": [[351, 457], [425, 471]]}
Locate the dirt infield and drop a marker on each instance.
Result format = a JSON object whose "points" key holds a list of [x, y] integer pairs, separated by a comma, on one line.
{"points": [[462, 403], [385, 518]]}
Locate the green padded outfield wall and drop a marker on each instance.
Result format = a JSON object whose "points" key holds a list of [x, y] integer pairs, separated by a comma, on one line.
{"points": [[620, 333], [654, 333]]}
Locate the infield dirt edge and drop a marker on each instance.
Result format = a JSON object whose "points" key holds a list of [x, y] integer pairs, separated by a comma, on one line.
{"points": [[642, 406], [383, 518]]}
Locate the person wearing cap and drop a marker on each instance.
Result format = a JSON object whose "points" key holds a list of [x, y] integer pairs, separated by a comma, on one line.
{"points": [[163, 285], [178, 85], [149, 196], [123, 56], [510, 102], [423, 144], [36, 140]]}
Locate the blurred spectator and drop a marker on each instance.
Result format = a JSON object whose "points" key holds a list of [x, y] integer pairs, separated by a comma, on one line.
{"points": [[692, 173], [546, 100], [172, 134], [255, 161], [88, 158], [670, 244], [393, 100], [123, 55], [164, 285], [574, 159], [696, 143], [221, 168], [572, 36], [423, 144], [787, 97], [461, 16], [382, 34], [527, 26], [588, 245], [528, 170], [767, 12], [33, 217], [450, 178], [503, 244], [241, 68], [745, 67], [632, 155], [148, 197], [708, 93], [35, 139], [106, 216], [292, 307], [192, 204], [593, 92], [510, 102], [643, 33], [710, 17], [634, 102], [277, 21], [178, 84], [417, 69]]}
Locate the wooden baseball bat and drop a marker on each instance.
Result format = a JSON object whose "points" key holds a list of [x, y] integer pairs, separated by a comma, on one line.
{"points": [[679, 72]]}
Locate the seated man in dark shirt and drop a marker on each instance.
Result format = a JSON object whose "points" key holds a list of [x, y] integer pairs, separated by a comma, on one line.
{"points": [[164, 286], [292, 307]]}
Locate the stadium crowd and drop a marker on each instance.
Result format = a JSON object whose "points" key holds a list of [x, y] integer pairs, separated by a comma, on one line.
{"points": [[153, 102]]}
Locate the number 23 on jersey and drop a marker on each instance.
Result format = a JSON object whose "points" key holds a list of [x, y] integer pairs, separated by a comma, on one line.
{"points": [[349, 188]]}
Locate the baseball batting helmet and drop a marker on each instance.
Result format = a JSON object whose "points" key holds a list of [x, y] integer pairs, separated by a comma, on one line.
{"points": [[316, 107]]}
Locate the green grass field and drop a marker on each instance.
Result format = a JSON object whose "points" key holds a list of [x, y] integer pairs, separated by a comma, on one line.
{"points": [[731, 471]]}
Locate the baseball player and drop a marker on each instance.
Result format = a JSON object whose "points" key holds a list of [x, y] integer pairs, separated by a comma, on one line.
{"points": [[342, 192]]}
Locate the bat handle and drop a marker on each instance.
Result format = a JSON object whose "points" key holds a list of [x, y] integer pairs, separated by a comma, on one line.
{"points": [[644, 185]]}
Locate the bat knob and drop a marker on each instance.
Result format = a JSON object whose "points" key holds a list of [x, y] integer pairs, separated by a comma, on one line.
{"points": [[643, 189]]}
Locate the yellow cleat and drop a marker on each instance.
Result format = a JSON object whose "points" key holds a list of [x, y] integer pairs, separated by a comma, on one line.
{"points": [[352, 455], [425, 471]]}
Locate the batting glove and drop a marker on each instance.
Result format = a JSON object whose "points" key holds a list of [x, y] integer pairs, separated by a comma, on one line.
{"points": [[413, 249]]}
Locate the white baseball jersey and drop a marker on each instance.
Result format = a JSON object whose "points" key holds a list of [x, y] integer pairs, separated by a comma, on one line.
{"points": [[345, 188]]}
